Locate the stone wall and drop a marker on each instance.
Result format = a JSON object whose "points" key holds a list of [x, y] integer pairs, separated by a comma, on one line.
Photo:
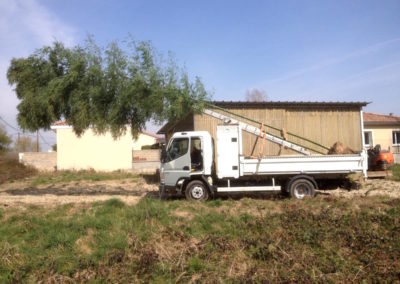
{"points": [[43, 161]]}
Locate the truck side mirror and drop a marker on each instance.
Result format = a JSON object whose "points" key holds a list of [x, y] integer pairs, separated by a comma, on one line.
{"points": [[163, 154]]}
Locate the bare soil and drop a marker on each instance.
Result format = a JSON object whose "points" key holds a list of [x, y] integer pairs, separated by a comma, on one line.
{"points": [[22, 192], [130, 191]]}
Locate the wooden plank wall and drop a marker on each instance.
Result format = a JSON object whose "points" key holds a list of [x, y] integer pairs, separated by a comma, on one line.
{"points": [[324, 126]]}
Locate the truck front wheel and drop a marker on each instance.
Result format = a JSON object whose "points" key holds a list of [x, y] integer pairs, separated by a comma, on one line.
{"points": [[301, 188], [196, 190]]}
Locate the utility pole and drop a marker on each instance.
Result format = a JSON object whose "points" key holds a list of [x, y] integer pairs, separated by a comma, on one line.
{"points": [[37, 140]]}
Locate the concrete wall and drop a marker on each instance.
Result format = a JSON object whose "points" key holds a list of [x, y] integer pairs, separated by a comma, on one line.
{"points": [[146, 155], [91, 151], [143, 140], [42, 161]]}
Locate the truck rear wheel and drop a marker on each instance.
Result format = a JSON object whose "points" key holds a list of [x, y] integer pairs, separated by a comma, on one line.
{"points": [[196, 190], [301, 188]]}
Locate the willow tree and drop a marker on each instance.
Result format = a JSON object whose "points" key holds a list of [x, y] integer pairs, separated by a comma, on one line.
{"points": [[103, 88]]}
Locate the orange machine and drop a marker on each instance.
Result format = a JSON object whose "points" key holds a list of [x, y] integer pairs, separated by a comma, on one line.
{"points": [[379, 159]]}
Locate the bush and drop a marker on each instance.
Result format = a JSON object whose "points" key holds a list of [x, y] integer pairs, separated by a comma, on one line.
{"points": [[148, 147], [12, 169]]}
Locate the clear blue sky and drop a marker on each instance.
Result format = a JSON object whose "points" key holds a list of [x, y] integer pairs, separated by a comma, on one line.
{"points": [[294, 50]]}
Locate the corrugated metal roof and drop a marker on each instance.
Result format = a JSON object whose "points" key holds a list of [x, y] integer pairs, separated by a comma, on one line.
{"points": [[291, 104]]}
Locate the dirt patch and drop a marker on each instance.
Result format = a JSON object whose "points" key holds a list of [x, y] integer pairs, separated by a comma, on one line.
{"points": [[83, 243], [371, 187], [74, 191], [183, 214], [54, 200], [22, 192]]}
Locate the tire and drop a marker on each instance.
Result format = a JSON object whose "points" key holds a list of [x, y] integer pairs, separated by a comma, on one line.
{"points": [[301, 188], [197, 191]]}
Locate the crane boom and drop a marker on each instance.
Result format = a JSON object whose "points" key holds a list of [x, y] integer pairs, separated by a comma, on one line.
{"points": [[256, 131]]}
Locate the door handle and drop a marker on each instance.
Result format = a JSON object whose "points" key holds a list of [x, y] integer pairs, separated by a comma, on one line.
{"points": [[185, 168]]}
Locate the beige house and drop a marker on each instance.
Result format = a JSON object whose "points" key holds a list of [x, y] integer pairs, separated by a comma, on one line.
{"points": [[98, 152], [384, 130]]}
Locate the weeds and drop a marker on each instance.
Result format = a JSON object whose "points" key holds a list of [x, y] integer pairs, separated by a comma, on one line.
{"points": [[320, 240], [396, 172], [11, 169]]}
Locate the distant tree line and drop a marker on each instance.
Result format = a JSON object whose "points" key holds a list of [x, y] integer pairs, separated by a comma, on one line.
{"points": [[22, 144]]}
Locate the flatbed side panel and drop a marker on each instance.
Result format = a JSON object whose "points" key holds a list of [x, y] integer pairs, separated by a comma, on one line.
{"points": [[248, 188], [302, 165]]}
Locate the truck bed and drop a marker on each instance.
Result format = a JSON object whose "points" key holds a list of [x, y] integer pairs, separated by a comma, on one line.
{"points": [[294, 164]]}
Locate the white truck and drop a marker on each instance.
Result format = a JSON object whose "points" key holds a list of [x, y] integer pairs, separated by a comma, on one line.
{"points": [[188, 164]]}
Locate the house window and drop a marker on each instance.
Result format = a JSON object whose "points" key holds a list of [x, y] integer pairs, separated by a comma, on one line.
{"points": [[368, 139], [396, 137]]}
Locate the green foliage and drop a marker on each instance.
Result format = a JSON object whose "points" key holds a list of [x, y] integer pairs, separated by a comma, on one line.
{"points": [[396, 172], [5, 139], [153, 146], [107, 88]]}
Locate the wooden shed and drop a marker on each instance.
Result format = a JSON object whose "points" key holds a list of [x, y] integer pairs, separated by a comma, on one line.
{"points": [[321, 122]]}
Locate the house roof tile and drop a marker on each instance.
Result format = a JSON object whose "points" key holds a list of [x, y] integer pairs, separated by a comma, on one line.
{"points": [[380, 119]]}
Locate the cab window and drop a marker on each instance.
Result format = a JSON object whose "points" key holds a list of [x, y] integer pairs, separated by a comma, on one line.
{"points": [[196, 154], [178, 148]]}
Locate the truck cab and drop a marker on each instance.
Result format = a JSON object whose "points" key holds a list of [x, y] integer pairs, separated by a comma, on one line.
{"points": [[188, 156]]}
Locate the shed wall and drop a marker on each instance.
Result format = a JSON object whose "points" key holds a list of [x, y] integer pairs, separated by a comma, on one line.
{"points": [[324, 126]]}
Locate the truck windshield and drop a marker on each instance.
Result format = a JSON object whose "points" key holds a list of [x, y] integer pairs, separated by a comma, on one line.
{"points": [[177, 148]]}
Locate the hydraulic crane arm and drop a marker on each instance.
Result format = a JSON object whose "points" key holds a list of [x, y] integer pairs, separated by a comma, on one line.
{"points": [[256, 131]]}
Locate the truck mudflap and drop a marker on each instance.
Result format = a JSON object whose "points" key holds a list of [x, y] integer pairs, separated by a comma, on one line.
{"points": [[165, 190], [161, 190]]}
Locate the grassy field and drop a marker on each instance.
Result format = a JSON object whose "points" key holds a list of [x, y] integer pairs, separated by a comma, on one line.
{"points": [[396, 172], [320, 239]]}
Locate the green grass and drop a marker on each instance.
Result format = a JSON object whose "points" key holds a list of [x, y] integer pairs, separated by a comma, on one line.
{"points": [[70, 176], [321, 239], [396, 172]]}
